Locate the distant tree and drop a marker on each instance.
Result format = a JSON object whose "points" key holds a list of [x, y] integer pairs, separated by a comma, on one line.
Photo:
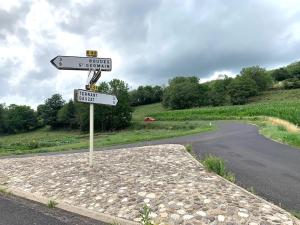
{"points": [[184, 92], [259, 75], [107, 117], [48, 111], [294, 69], [241, 88], [218, 93], [2, 119], [67, 116], [281, 74], [291, 83], [145, 95], [20, 119]]}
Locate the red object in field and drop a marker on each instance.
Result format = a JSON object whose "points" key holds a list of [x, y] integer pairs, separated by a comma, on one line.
{"points": [[149, 119]]}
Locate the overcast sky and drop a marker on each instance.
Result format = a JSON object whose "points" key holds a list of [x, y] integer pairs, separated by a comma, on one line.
{"points": [[149, 41]]}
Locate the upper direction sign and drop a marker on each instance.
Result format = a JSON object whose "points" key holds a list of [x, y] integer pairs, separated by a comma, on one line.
{"points": [[81, 63], [94, 97]]}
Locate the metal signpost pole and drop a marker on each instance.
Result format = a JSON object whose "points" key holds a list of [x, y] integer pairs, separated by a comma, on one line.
{"points": [[91, 134]]}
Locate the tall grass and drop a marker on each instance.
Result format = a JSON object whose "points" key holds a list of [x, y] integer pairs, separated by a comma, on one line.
{"points": [[287, 110], [217, 165]]}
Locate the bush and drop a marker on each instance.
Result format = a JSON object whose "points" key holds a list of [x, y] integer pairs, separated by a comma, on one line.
{"points": [[292, 83]]}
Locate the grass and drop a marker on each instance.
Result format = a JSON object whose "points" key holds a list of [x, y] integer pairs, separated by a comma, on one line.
{"points": [[45, 140], [296, 214], [276, 96], [141, 111], [52, 204], [4, 191], [217, 165], [278, 133], [288, 110], [145, 215]]}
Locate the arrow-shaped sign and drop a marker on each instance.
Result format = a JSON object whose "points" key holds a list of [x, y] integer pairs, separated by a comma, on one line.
{"points": [[94, 97], [81, 63]]}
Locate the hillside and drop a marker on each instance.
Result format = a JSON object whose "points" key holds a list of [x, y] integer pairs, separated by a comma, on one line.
{"points": [[283, 104]]}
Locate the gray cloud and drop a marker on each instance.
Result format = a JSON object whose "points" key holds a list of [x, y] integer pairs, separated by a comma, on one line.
{"points": [[163, 39], [157, 40], [10, 21]]}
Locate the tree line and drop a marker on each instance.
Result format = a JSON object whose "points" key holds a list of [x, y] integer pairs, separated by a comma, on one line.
{"points": [[57, 113], [181, 92], [186, 92]]}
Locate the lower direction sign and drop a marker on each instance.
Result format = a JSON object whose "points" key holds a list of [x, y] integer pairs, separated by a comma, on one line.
{"points": [[94, 97]]}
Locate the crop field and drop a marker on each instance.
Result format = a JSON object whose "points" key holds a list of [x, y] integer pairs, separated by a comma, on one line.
{"points": [[287, 110]]}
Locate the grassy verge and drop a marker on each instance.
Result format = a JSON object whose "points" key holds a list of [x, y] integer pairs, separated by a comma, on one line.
{"points": [[296, 214], [278, 133], [45, 140], [217, 165]]}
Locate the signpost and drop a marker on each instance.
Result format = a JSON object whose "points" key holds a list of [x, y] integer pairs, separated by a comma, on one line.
{"points": [[94, 97], [81, 63], [91, 64]]}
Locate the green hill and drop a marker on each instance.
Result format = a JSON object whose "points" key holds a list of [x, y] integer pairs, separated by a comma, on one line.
{"points": [[283, 104]]}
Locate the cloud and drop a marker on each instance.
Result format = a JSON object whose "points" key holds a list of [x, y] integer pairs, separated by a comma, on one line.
{"points": [[149, 42]]}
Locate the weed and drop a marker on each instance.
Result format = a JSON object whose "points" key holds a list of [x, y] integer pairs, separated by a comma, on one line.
{"points": [[296, 214], [115, 223], [51, 204], [145, 216], [217, 165], [251, 189], [189, 148], [4, 191]]}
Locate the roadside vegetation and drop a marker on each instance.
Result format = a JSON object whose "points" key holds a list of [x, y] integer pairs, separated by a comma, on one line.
{"points": [[47, 140], [52, 204], [217, 165]]}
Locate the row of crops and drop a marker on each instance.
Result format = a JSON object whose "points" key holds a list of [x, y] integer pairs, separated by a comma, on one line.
{"points": [[287, 110]]}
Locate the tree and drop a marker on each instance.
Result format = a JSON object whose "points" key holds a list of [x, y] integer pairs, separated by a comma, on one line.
{"points": [[145, 95], [67, 115], [107, 117], [218, 93], [259, 75], [281, 74], [241, 88], [2, 119], [20, 119], [291, 83], [294, 70], [48, 111], [184, 92]]}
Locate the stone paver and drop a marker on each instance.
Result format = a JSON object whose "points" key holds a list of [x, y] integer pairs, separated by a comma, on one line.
{"points": [[165, 177]]}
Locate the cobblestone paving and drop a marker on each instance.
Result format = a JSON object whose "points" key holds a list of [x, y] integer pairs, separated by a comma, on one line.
{"points": [[165, 177]]}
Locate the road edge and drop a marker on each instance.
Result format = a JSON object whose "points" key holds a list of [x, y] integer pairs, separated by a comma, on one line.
{"points": [[295, 220], [73, 209]]}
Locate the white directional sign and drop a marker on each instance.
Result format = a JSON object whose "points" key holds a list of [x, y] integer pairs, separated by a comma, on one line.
{"points": [[81, 63], [94, 97]]}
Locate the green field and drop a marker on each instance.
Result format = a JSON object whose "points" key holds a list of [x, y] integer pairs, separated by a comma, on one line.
{"points": [[283, 104], [45, 140], [171, 123], [287, 110]]}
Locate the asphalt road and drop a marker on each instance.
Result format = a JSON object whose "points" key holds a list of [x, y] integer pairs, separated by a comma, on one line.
{"points": [[271, 168], [18, 211]]}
